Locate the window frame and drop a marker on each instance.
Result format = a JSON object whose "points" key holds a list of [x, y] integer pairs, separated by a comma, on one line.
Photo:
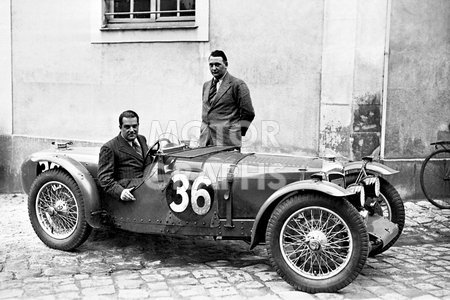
{"points": [[158, 32], [154, 21]]}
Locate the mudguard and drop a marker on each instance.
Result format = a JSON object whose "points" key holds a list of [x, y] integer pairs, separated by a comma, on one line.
{"points": [[325, 187], [79, 173], [371, 167]]}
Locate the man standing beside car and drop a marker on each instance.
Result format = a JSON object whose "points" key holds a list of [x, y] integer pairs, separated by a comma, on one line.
{"points": [[227, 109], [121, 160]]}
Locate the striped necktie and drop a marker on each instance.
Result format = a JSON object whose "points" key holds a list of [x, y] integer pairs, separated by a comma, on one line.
{"points": [[137, 147], [212, 90]]}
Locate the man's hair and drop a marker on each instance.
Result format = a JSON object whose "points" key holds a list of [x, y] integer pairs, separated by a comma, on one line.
{"points": [[220, 53], [127, 114]]}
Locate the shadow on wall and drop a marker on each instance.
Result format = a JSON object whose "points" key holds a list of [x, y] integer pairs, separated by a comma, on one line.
{"points": [[366, 125]]}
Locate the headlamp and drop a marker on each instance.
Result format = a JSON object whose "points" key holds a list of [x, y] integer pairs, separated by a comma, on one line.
{"points": [[358, 189], [373, 184]]}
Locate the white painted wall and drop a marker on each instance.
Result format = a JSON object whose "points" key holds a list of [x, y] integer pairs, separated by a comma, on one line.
{"points": [[352, 72], [338, 63], [305, 63], [67, 87], [5, 69]]}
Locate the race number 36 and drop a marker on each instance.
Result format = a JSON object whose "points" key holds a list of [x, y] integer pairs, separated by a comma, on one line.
{"points": [[197, 192]]}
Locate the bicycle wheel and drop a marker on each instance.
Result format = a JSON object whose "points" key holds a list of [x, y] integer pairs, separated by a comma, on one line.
{"points": [[435, 178]]}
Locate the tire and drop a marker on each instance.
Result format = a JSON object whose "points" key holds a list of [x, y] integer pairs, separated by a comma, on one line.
{"points": [[435, 178], [317, 243], [389, 205], [56, 210]]}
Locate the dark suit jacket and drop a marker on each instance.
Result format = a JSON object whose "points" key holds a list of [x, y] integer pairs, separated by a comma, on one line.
{"points": [[120, 166], [226, 119]]}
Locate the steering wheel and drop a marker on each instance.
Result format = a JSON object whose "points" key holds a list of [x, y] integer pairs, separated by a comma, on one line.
{"points": [[155, 147]]}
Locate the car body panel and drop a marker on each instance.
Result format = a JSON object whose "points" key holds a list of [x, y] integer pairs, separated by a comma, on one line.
{"points": [[42, 161], [240, 188], [372, 167]]}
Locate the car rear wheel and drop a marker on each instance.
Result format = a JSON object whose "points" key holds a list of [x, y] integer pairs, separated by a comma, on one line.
{"points": [[56, 210], [317, 243]]}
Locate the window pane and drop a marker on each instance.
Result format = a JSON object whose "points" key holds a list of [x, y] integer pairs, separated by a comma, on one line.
{"points": [[142, 5], [121, 6], [187, 5], [168, 5]]}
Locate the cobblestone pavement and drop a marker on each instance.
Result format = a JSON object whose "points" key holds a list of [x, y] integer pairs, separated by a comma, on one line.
{"points": [[120, 265]]}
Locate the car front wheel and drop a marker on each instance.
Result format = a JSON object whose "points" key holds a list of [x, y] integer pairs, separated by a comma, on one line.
{"points": [[56, 210], [317, 243]]}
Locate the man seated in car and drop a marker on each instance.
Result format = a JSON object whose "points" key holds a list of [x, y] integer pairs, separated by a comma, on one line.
{"points": [[122, 159]]}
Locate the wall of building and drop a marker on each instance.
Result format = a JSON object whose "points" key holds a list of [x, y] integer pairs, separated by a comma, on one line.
{"points": [[278, 52], [5, 96], [418, 90], [352, 76], [5, 69], [315, 70], [69, 81], [66, 87], [418, 110]]}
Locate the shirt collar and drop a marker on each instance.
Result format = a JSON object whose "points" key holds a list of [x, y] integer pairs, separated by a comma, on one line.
{"points": [[130, 143], [221, 78]]}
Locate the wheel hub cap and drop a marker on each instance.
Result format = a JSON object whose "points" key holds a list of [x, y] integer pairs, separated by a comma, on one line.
{"points": [[61, 206], [316, 240]]}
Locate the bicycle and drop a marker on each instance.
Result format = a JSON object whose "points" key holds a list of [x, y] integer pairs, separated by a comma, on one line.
{"points": [[435, 175]]}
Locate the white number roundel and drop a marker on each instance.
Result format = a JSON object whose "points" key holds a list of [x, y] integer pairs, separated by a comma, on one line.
{"points": [[196, 193]]}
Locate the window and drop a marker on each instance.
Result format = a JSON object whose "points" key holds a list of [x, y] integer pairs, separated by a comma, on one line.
{"points": [[149, 21], [138, 14]]}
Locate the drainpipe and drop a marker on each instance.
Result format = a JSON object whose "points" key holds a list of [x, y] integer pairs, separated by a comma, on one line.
{"points": [[385, 79], [12, 64]]}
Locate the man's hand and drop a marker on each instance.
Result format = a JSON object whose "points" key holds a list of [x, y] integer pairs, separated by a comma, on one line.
{"points": [[126, 195]]}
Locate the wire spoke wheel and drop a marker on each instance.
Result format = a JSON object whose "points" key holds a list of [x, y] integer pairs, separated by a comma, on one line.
{"points": [[57, 210], [316, 242], [435, 178]]}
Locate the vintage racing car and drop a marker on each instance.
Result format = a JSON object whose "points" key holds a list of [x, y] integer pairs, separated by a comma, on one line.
{"points": [[318, 218]]}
